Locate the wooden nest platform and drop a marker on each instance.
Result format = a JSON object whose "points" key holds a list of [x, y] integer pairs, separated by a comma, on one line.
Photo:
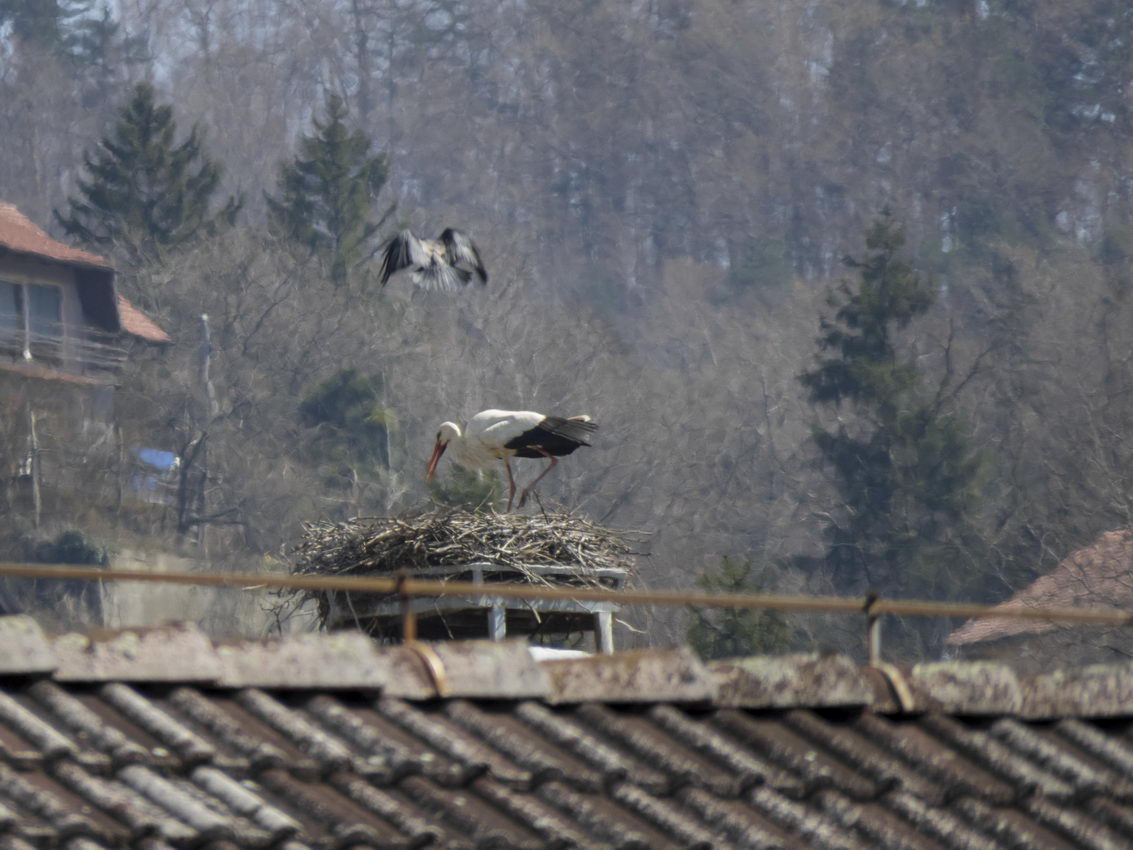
{"points": [[549, 549]]}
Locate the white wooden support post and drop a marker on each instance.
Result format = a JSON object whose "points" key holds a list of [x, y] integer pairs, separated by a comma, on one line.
{"points": [[604, 631], [497, 622]]}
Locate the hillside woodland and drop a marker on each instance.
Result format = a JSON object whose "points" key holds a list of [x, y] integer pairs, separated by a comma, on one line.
{"points": [[665, 193]]}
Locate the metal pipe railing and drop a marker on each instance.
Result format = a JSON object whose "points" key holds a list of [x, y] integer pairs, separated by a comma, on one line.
{"points": [[406, 588]]}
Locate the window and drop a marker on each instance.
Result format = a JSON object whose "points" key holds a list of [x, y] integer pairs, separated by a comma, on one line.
{"points": [[31, 319], [11, 311], [45, 311]]}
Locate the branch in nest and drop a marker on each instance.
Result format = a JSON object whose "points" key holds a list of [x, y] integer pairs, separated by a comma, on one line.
{"points": [[390, 545]]}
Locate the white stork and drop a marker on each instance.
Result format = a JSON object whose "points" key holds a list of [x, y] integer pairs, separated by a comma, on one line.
{"points": [[446, 262], [493, 435]]}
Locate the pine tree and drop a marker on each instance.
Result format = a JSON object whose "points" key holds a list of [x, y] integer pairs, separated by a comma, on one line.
{"points": [[736, 632], [81, 33], [145, 192], [902, 464], [350, 421], [42, 23], [99, 54], [326, 195]]}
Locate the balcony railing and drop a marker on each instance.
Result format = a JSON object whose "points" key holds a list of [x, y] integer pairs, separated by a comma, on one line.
{"points": [[71, 349]]}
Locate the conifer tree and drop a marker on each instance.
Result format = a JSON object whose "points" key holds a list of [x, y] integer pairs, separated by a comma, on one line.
{"points": [[734, 632], [327, 194], [902, 464], [99, 54], [350, 420], [81, 33], [42, 23], [144, 191]]}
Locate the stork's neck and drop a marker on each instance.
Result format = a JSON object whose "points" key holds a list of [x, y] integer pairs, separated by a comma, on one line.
{"points": [[464, 452]]}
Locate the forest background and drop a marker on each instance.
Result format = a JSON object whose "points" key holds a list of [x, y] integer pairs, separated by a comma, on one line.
{"points": [[664, 192]]}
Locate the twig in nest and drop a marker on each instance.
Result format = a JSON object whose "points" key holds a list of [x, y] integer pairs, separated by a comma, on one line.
{"points": [[391, 545]]}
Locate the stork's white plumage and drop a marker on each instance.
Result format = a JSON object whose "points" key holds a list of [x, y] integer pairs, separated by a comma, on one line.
{"points": [[493, 435], [446, 262]]}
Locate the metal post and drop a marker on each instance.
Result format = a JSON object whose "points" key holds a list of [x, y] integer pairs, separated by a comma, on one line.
{"points": [[34, 469], [497, 622], [208, 408], [873, 628], [408, 615]]}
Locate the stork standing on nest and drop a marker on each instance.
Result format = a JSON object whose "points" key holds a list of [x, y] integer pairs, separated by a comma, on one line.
{"points": [[447, 262], [493, 435]]}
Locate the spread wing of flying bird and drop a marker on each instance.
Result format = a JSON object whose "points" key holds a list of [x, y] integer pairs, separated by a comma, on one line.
{"points": [[447, 262]]}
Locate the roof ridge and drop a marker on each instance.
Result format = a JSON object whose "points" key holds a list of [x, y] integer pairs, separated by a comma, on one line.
{"points": [[481, 669]]}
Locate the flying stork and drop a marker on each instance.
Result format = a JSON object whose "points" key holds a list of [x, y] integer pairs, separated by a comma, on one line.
{"points": [[493, 435], [446, 262]]}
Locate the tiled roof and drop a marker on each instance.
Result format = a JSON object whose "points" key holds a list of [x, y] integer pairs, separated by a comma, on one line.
{"points": [[135, 322], [160, 738], [19, 233], [1099, 576]]}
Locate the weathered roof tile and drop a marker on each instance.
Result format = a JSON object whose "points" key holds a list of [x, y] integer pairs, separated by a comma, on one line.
{"points": [[1098, 691], [502, 729], [175, 653], [26, 648], [30, 735], [135, 322], [451, 741], [479, 668], [439, 750], [812, 680], [234, 732], [168, 731], [82, 723], [565, 730], [18, 233], [645, 675], [967, 688], [338, 660]]}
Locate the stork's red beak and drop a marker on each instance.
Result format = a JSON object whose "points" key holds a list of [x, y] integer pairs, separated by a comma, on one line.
{"points": [[438, 450]]}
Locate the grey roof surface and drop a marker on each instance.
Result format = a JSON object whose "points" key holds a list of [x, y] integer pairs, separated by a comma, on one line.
{"points": [[161, 738]]}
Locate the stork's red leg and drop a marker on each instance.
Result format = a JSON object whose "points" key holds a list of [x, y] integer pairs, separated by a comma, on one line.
{"points": [[553, 461], [510, 484]]}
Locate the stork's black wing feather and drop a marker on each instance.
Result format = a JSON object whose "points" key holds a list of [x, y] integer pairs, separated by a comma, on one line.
{"points": [[462, 250], [570, 429], [554, 435], [402, 251]]}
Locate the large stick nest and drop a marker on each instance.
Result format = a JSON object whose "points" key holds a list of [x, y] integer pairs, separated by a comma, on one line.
{"points": [[456, 538]]}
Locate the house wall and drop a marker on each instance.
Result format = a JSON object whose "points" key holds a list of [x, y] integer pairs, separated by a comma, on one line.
{"points": [[28, 270], [76, 464], [214, 609], [31, 270]]}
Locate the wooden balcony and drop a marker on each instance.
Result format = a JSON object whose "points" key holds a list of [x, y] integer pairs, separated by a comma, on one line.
{"points": [[56, 347]]}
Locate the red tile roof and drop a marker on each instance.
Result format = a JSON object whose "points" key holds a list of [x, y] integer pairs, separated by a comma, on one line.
{"points": [[19, 233], [1099, 576], [159, 738], [135, 322]]}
